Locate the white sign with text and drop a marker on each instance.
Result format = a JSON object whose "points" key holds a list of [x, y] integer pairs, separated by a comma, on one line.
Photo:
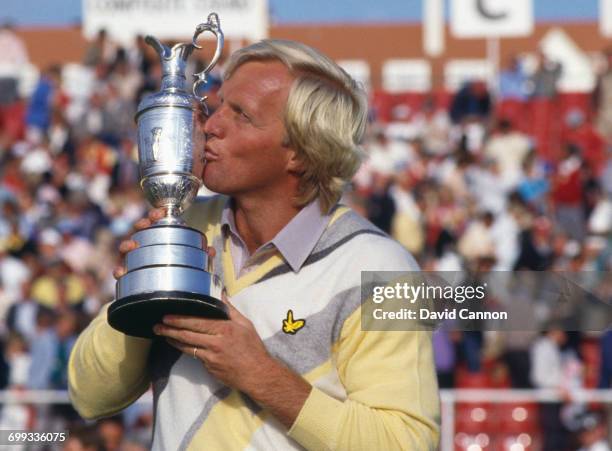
{"points": [[605, 17], [174, 19], [491, 18]]}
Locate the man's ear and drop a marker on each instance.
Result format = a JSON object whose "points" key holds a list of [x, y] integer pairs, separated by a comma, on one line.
{"points": [[294, 163]]}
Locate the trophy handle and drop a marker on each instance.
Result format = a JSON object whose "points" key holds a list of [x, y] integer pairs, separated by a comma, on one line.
{"points": [[213, 25]]}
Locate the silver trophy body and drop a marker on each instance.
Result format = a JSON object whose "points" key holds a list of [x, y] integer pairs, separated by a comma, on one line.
{"points": [[167, 273]]}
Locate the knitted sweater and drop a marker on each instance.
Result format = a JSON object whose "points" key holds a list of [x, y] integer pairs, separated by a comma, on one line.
{"points": [[372, 390]]}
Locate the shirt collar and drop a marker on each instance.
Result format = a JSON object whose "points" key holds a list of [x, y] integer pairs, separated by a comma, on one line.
{"points": [[297, 239]]}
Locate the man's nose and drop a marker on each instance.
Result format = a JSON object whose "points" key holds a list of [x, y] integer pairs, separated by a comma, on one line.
{"points": [[214, 125]]}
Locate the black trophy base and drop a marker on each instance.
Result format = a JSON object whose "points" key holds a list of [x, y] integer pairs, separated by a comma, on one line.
{"points": [[136, 315]]}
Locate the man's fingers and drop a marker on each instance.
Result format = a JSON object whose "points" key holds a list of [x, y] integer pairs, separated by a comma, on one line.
{"points": [[142, 223], [187, 349], [156, 214], [195, 324], [188, 338], [196, 352], [183, 335], [118, 272], [211, 252], [153, 216], [127, 246]]}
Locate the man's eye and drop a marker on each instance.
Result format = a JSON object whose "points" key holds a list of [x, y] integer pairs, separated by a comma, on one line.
{"points": [[242, 115]]}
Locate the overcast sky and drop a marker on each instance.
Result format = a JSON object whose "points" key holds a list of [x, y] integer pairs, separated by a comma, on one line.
{"points": [[66, 12]]}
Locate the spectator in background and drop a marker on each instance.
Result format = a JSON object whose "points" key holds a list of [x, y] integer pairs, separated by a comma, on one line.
{"points": [[534, 185], [100, 51], [508, 147], [18, 359], [600, 219], [513, 81], [401, 127], [111, 115], [76, 251], [591, 433], [21, 316], [44, 99], [583, 135], [606, 176], [516, 354], [435, 124], [605, 372], [605, 376], [125, 79], [13, 274], [138, 422], [447, 258], [380, 205], [602, 99], [13, 58], [58, 287], [551, 367], [84, 438], [125, 173], [388, 156], [535, 248], [43, 349], [591, 190], [112, 431], [472, 101], [567, 193], [139, 55], [443, 341], [477, 241], [407, 222], [543, 82], [66, 331], [16, 416]]}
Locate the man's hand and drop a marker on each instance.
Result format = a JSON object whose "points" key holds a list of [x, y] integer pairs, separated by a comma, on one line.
{"points": [[232, 351]]}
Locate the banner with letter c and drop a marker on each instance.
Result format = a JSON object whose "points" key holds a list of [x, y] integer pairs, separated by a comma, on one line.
{"points": [[491, 18]]}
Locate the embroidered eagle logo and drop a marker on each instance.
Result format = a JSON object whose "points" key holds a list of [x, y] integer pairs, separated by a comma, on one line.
{"points": [[290, 325]]}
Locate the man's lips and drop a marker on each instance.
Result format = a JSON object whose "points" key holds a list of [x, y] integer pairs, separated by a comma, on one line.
{"points": [[210, 155]]}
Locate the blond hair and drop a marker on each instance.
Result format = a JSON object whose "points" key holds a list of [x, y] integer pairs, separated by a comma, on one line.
{"points": [[325, 116]]}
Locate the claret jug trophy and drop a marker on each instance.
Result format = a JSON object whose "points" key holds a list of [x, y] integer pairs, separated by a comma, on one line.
{"points": [[168, 272]]}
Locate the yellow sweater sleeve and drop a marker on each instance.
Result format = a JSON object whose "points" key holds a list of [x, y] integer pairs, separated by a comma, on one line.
{"points": [[392, 395], [107, 370]]}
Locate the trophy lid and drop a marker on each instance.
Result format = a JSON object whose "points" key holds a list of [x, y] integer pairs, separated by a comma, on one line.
{"points": [[174, 64]]}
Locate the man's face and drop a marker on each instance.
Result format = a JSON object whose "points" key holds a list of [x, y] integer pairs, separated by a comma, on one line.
{"points": [[244, 150]]}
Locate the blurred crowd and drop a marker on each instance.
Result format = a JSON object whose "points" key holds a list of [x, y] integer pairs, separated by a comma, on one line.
{"points": [[462, 184], [470, 184]]}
